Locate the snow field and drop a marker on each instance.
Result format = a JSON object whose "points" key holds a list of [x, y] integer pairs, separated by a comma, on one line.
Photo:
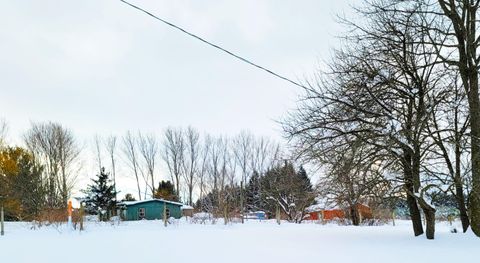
{"points": [[150, 241]]}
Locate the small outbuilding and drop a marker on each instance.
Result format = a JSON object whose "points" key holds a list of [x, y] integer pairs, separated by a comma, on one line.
{"points": [[328, 212], [259, 215], [187, 210], [151, 209]]}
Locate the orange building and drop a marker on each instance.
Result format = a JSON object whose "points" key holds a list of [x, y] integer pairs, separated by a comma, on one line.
{"points": [[330, 214]]}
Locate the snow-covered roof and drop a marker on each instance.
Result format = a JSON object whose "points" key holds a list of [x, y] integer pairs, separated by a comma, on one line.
{"points": [[127, 203], [256, 212], [186, 207], [322, 203], [325, 203]]}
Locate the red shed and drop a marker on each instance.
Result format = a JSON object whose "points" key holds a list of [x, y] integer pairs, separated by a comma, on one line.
{"points": [[317, 213]]}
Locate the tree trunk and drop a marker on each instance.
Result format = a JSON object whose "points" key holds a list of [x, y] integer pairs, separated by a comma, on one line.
{"points": [[457, 178], [429, 212], [466, 36], [354, 216], [464, 218], [475, 193], [459, 196], [415, 215], [411, 200], [430, 220]]}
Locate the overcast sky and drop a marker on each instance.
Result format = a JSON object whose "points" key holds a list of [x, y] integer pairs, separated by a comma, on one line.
{"points": [[101, 67]]}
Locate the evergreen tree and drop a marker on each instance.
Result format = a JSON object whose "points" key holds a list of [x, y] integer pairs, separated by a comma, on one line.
{"points": [[20, 184], [304, 179], [166, 191], [100, 196], [282, 187], [253, 195], [129, 197], [29, 188]]}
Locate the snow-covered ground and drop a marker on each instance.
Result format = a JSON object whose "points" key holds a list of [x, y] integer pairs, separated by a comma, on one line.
{"points": [[150, 241]]}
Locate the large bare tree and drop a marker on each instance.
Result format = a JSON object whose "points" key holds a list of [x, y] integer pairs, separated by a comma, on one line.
{"points": [[191, 162], [174, 154], [148, 146], [56, 148], [111, 145], [461, 28], [382, 89], [242, 150], [448, 130], [131, 154], [97, 140]]}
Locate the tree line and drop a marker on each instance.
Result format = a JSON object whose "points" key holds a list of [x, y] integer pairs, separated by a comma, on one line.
{"points": [[228, 176]]}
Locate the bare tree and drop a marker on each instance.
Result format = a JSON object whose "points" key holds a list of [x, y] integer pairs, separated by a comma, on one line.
{"points": [[216, 150], [174, 154], [203, 168], [354, 176], [242, 149], [265, 154], [98, 150], [130, 151], [460, 28], [3, 131], [382, 90], [111, 145], [448, 130], [148, 146], [56, 148], [191, 162]]}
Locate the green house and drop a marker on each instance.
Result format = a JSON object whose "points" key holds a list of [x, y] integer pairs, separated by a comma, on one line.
{"points": [[150, 209]]}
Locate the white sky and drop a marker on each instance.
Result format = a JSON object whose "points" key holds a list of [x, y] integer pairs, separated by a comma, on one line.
{"points": [[101, 67]]}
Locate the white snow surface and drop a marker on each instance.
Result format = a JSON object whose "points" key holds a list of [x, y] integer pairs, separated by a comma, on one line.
{"points": [[254, 241]]}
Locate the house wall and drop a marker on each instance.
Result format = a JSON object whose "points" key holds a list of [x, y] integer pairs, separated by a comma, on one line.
{"points": [[332, 214], [365, 211], [153, 210], [187, 212]]}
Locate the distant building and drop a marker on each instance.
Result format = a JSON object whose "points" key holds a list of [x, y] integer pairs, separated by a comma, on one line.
{"points": [[318, 213], [187, 210], [259, 215], [149, 209]]}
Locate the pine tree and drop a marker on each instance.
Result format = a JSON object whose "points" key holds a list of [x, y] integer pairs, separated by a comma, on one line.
{"points": [[166, 191], [100, 196]]}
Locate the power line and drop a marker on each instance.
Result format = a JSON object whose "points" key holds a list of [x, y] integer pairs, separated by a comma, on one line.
{"points": [[215, 46]]}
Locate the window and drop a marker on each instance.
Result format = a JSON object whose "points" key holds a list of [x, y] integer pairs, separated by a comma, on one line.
{"points": [[141, 213]]}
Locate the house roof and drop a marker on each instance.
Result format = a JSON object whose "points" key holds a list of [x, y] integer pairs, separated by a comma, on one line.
{"points": [[325, 204], [128, 203], [322, 203], [186, 207]]}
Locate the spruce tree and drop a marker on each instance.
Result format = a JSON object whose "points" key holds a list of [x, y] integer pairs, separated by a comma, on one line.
{"points": [[253, 196], [100, 196]]}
